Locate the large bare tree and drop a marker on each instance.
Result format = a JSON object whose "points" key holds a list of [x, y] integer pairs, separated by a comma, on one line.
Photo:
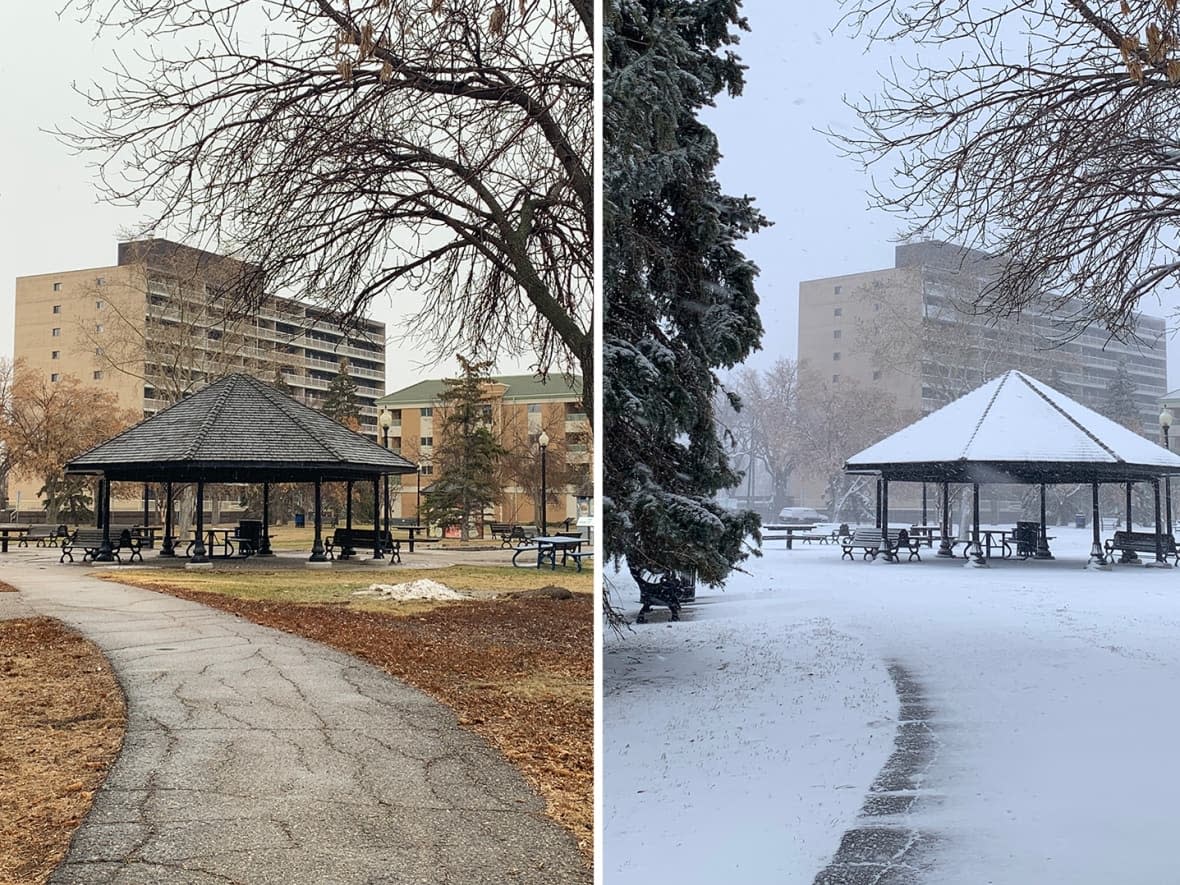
{"points": [[354, 149], [1043, 130]]}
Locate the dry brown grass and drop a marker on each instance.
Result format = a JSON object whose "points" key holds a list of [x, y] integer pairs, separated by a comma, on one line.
{"points": [[61, 725], [519, 672]]}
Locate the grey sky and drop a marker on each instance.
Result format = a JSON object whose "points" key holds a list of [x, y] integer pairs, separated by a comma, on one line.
{"points": [[49, 215], [799, 73]]}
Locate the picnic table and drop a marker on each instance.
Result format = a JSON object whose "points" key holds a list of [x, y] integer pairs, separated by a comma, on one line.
{"points": [[11, 530], [214, 538], [548, 546], [778, 531], [989, 538], [926, 534]]}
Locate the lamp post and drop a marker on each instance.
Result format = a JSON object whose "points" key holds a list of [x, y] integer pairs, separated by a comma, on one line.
{"points": [[543, 442], [418, 495], [1165, 423], [386, 421]]}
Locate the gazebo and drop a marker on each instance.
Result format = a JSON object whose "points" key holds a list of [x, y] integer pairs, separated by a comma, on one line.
{"points": [[238, 429], [1014, 429]]}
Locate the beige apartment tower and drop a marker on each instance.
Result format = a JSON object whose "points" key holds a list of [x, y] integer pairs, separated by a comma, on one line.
{"points": [[519, 408], [154, 327]]}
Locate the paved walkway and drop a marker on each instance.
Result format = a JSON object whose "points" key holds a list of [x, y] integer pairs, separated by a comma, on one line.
{"points": [[252, 756]]}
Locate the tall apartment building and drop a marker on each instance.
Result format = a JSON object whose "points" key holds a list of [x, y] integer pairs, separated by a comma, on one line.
{"points": [[154, 326], [520, 407], [903, 331]]}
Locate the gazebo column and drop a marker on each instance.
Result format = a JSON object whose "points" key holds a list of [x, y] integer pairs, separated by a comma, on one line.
{"points": [[105, 551], [1161, 561], [923, 503], [200, 554], [264, 541], [348, 552], [890, 553], [975, 553], [317, 546], [877, 509], [167, 548], [1043, 538], [146, 520], [944, 544], [1131, 555], [377, 554], [1097, 557]]}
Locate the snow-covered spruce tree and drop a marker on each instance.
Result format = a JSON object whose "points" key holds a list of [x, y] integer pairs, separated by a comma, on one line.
{"points": [[679, 300]]}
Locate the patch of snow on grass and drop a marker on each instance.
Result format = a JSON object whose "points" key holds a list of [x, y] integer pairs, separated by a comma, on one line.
{"points": [[423, 588]]}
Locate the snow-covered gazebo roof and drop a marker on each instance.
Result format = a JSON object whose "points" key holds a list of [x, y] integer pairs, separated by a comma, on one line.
{"points": [[1015, 429]]}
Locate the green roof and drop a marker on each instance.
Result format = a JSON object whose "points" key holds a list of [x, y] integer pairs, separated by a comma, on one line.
{"points": [[520, 388]]}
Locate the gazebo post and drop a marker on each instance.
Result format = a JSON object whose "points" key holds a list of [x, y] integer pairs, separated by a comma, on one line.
{"points": [[199, 552], [878, 504], [167, 548], [348, 551], [98, 503], [317, 546], [377, 545], [1160, 562], [975, 554], [264, 541], [1043, 538], [105, 551], [890, 554], [1097, 557], [944, 545], [1131, 555], [146, 520], [923, 503]]}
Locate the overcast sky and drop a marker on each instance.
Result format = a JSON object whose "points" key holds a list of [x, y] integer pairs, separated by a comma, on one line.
{"points": [[50, 216], [799, 73]]}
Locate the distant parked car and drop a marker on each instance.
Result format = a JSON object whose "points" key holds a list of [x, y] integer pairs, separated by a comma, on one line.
{"points": [[800, 516]]}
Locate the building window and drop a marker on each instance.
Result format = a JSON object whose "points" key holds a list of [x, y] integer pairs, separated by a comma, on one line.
{"points": [[426, 412], [876, 374], [426, 441], [57, 308], [99, 305], [98, 351], [427, 469], [55, 355], [98, 375], [396, 414], [102, 281], [55, 377], [57, 288], [98, 327], [56, 333], [837, 311], [876, 307], [837, 289], [835, 333], [835, 379], [836, 356], [534, 408]]}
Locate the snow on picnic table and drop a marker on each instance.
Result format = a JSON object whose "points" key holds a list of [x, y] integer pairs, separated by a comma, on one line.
{"points": [[739, 744]]}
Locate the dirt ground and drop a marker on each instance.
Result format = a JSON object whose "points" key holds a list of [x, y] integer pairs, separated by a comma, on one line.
{"points": [[61, 725], [519, 672]]}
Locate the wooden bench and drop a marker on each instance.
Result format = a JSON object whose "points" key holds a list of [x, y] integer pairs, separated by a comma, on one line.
{"points": [[872, 542], [1141, 542], [89, 541], [670, 589], [44, 535], [502, 531], [361, 539]]}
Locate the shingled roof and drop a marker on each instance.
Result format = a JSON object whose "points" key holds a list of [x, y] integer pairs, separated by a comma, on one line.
{"points": [[1015, 429], [239, 429]]}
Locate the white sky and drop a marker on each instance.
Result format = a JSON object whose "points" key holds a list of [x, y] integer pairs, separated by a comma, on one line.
{"points": [[799, 73], [50, 217]]}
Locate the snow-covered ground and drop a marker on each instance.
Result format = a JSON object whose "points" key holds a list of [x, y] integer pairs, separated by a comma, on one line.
{"points": [[741, 743]]}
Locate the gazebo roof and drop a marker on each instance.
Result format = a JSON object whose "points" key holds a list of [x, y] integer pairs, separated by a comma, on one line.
{"points": [[239, 429], [1015, 429]]}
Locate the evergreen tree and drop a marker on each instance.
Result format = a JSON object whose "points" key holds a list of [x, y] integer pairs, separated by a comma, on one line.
{"points": [[465, 452], [340, 402], [1118, 402], [679, 300], [280, 383]]}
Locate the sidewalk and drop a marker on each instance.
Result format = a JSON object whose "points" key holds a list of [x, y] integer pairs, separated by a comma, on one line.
{"points": [[252, 756]]}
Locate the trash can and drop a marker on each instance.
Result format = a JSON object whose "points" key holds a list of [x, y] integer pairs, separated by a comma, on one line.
{"points": [[300, 520], [1079, 520]]}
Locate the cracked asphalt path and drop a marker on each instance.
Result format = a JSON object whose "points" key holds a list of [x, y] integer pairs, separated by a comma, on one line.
{"points": [[252, 756]]}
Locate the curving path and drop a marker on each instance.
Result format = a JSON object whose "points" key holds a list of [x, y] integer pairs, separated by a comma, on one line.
{"points": [[252, 756]]}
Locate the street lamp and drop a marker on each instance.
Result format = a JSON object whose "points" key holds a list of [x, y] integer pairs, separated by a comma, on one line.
{"points": [[1165, 423], [386, 421], [543, 441]]}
